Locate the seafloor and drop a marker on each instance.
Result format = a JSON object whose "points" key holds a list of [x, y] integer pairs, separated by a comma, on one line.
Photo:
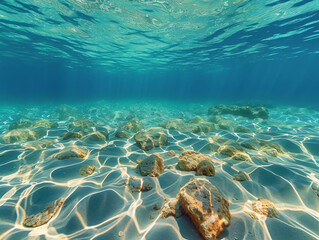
{"points": [[86, 193]]}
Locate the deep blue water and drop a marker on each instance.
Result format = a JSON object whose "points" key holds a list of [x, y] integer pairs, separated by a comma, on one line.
{"points": [[289, 82], [220, 51]]}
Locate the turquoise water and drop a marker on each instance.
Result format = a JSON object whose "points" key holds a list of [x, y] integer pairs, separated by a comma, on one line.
{"points": [[111, 112]]}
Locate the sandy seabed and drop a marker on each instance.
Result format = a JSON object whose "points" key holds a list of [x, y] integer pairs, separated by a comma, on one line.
{"points": [[99, 205]]}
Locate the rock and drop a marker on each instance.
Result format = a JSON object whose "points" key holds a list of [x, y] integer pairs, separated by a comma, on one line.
{"points": [[250, 145], [227, 150], [196, 120], [21, 123], [103, 130], [213, 147], [260, 157], [39, 144], [241, 176], [65, 112], [45, 216], [244, 111], [134, 125], [18, 135], [70, 135], [195, 125], [259, 144], [151, 138], [315, 188], [221, 123], [205, 168], [122, 134], [242, 129], [136, 184], [46, 123], [94, 137], [190, 159], [81, 124], [172, 209], [206, 207], [174, 124], [241, 157], [270, 151], [87, 170], [152, 166], [265, 207], [171, 153], [72, 152]]}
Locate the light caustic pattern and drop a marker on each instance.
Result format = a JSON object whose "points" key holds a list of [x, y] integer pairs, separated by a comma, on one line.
{"points": [[122, 34], [100, 206]]}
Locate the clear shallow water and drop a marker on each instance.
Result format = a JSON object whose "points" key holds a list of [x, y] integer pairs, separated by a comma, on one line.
{"points": [[156, 61], [101, 206]]}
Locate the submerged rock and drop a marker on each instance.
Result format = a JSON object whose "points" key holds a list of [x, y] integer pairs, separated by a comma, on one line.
{"points": [[87, 170], [46, 123], [151, 138], [39, 144], [241, 176], [70, 135], [45, 216], [205, 168], [21, 123], [190, 159], [206, 207], [172, 208], [242, 129], [241, 157], [171, 153], [244, 111], [315, 188], [94, 137], [81, 124], [152, 166], [222, 124], [72, 152], [134, 125], [259, 145], [270, 151], [122, 134], [265, 207], [19, 135], [260, 157], [227, 150], [195, 125], [136, 184]]}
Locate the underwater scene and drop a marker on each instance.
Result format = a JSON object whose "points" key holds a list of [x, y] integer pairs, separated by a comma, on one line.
{"points": [[159, 119]]}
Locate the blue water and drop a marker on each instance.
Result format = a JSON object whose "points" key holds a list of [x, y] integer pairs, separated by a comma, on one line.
{"points": [[225, 50], [82, 80]]}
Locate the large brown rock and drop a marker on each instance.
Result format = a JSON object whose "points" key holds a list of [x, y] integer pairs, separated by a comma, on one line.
{"points": [[190, 159], [94, 137], [18, 135], [72, 152], [45, 216], [151, 138], [265, 207], [46, 123], [152, 166], [207, 208], [205, 168]]}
